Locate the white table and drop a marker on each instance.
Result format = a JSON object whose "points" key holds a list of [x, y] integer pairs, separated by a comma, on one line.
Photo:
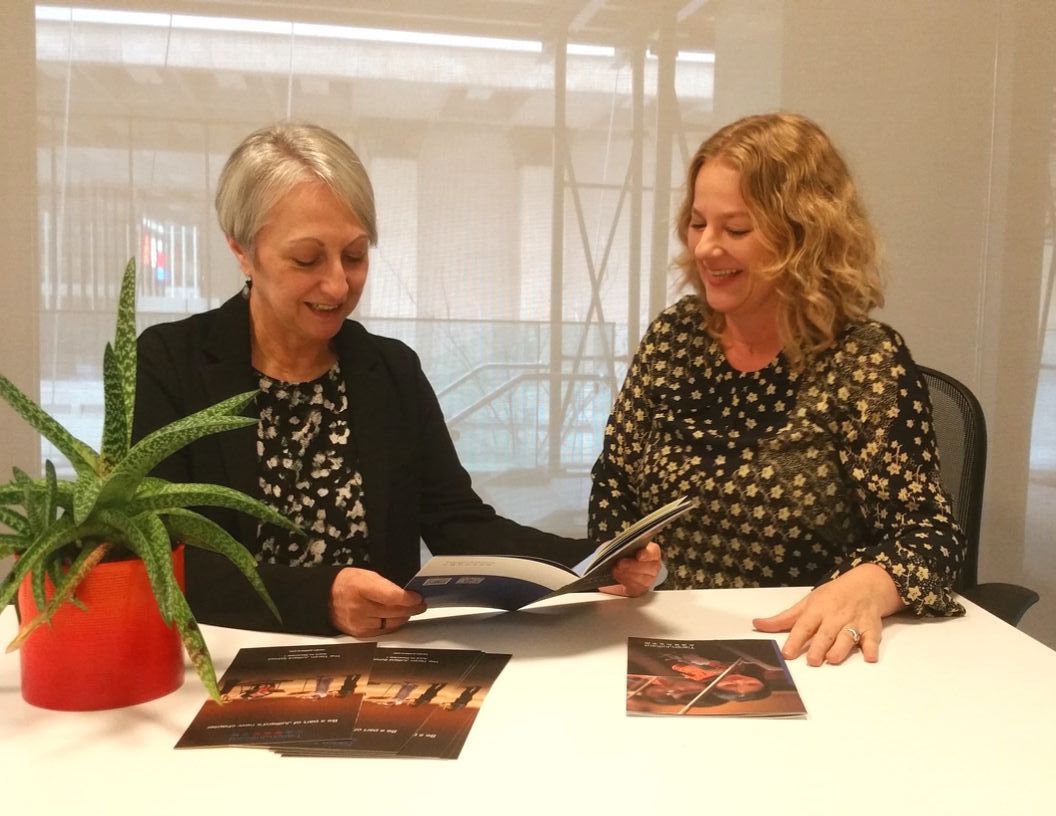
{"points": [[958, 717]]}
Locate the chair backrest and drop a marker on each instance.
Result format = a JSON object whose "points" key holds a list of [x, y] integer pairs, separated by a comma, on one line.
{"points": [[960, 432]]}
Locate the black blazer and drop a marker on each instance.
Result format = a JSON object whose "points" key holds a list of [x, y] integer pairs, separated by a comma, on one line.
{"points": [[414, 486]]}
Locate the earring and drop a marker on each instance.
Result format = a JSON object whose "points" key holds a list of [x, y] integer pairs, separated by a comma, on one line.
{"points": [[246, 287]]}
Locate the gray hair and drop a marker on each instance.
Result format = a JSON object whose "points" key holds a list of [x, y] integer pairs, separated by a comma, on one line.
{"points": [[271, 161]]}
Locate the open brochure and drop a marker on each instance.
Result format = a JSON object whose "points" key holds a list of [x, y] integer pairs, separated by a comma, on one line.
{"points": [[732, 678], [510, 581]]}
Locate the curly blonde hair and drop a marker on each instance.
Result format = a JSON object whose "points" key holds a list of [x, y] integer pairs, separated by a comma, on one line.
{"points": [[804, 203]]}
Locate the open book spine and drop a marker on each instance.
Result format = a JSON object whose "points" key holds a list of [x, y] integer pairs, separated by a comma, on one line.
{"points": [[638, 534]]}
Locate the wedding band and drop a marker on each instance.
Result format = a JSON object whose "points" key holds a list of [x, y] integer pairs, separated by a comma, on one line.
{"points": [[854, 633], [382, 622]]}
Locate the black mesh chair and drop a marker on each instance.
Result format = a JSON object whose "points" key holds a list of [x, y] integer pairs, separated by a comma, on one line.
{"points": [[960, 431]]}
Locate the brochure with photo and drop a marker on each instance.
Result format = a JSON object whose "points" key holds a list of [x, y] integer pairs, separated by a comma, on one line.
{"points": [[280, 694], [456, 708], [725, 678], [401, 695], [412, 710]]}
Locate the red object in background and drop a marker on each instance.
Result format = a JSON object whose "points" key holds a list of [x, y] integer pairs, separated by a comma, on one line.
{"points": [[116, 652]]}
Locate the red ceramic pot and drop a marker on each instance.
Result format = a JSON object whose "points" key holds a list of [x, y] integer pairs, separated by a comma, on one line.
{"points": [[116, 652]]}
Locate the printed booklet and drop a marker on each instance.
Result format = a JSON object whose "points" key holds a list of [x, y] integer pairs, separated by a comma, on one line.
{"points": [[438, 713], [511, 582], [348, 699], [285, 694], [741, 678]]}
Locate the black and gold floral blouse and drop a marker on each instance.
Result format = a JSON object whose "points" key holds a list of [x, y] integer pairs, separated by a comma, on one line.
{"points": [[308, 473], [798, 477]]}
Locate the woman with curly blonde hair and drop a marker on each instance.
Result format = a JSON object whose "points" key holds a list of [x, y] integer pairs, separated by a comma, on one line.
{"points": [[824, 261], [800, 426]]}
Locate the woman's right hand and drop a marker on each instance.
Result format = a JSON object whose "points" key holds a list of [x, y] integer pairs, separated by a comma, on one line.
{"points": [[363, 604]]}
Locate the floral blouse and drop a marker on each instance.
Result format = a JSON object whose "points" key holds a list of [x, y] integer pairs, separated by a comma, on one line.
{"points": [[308, 472], [797, 476]]}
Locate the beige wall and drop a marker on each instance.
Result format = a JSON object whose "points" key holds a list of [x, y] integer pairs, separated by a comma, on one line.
{"points": [[18, 220], [18, 349]]}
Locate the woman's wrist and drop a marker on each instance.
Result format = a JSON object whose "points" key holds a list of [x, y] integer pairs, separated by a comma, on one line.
{"points": [[882, 587]]}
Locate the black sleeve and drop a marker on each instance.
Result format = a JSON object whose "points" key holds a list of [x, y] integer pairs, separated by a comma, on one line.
{"points": [[220, 595]]}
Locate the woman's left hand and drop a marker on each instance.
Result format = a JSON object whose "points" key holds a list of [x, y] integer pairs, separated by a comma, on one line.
{"points": [[821, 623], [636, 576]]}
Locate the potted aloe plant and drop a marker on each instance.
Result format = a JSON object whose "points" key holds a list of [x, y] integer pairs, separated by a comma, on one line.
{"points": [[63, 533]]}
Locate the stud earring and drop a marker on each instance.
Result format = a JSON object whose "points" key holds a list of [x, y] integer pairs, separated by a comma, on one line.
{"points": [[246, 287]]}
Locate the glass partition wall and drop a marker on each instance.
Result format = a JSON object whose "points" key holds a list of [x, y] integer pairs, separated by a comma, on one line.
{"points": [[513, 160], [527, 158]]}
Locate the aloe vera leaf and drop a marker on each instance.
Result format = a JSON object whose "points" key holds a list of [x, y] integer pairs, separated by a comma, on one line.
{"points": [[229, 407], [54, 568], [87, 559], [80, 455], [147, 538], [197, 531], [85, 495], [125, 346], [166, 496], [34, 510], [15, 520], [12, 493], [51, 492], [38, 582], [36, 554], [11, 544], [194, 644], [124, 479], [115, 428]]}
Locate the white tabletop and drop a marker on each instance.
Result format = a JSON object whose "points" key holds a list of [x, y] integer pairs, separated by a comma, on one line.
{"points": [[958, 717]]}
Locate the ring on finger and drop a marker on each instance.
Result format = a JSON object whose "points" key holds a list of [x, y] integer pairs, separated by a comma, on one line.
{"points": [[383, 621], [856, 636]]}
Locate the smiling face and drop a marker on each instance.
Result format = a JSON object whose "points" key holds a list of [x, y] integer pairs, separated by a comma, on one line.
{"points": [[728, 248], [308, 264]]}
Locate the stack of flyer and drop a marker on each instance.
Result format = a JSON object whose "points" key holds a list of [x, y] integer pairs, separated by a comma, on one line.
{"points": [[348, 699]]}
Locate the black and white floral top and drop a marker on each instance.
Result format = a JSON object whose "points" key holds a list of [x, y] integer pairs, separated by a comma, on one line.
{"points": [[798, 476], [309, 473]]}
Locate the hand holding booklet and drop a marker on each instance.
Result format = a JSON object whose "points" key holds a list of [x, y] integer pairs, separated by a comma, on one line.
{"points": [[511, 582]]}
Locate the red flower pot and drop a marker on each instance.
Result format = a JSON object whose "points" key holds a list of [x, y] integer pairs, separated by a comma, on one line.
{"points": [[116, 652]]}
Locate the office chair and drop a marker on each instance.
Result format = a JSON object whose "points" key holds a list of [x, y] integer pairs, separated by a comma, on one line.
{"points": [[960, 432]]}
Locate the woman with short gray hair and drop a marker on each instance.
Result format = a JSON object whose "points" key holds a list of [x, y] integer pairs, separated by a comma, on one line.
{"points": [[350, 442]]}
